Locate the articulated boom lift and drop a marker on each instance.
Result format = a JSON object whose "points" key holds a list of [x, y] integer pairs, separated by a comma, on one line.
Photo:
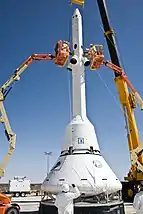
{"points": [[62, 52], [128, 102], [61, 56]]}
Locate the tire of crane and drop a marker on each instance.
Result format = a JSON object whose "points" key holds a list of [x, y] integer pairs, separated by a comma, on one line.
{"points": [[12, 210]]}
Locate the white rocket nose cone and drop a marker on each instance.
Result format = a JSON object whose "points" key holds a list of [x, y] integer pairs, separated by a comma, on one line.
{"points": [[76, 12]]}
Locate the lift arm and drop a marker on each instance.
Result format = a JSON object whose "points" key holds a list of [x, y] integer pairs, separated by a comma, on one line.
{"points": [[124, 95], [4, 90], [120, 71], [95, 54], [62, 52], [11, 137], [16, 76], [128, 104]]}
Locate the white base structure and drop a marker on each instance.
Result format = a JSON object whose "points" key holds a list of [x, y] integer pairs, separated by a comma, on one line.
{"points": [[89, 172], [80, 161]]}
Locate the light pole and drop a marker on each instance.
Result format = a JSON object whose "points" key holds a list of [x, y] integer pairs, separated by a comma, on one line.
{"points": [[48, 154]]}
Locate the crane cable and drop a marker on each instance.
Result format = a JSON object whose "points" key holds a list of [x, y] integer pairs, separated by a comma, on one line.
{"points": [[69, 76], [69, 79], [106, 35], [114, 97], [69, 72], [102, 80]]}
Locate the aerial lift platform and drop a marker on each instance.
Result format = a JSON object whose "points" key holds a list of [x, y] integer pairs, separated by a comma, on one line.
{"points": [[60, 58]]}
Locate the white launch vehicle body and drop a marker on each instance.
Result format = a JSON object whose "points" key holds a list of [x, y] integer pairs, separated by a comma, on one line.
{"points": [[80, 161]]}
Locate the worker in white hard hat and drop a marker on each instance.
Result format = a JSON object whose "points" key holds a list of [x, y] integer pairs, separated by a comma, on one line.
{"points": [[64, 200], [138, 200]]}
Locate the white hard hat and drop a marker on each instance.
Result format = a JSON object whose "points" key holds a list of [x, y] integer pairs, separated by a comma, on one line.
{"points": [[65, 188]]}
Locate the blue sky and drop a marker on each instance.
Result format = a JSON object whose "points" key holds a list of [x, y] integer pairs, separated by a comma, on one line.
{"points": [[38, 105]]}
